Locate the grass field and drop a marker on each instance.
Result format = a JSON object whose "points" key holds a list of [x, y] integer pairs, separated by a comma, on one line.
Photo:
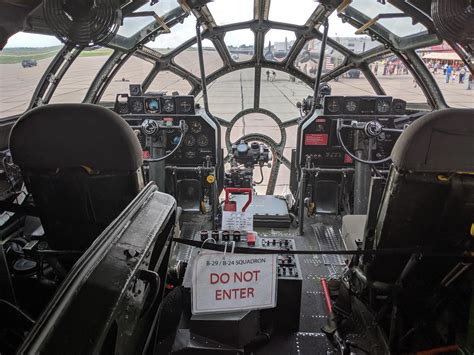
{"points": [[16, 55]]}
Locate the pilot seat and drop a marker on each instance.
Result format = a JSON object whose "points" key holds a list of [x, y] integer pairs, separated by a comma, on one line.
{"points": [[82, 165], [428, 201]]}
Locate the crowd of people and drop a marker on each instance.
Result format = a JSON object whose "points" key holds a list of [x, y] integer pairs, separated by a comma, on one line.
{"points": [[456, 72], [388, 67]]}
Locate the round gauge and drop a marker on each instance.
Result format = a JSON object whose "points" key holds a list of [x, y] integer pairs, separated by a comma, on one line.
{"points": [[152, 105], [190, 154], [185, 106], [195, 126], [202, 140], [168, 106], [383, 106], [351, 106], [189, 140], [175, 139], [333, 105], [137, 106], [122, 107]]}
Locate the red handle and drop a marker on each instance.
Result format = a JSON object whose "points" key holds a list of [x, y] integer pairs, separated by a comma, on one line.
{"points": [[246, 190]]}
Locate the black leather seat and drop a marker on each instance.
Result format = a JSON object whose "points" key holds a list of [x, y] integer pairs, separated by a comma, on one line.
{"points": [[429, 197], [81, 163]]}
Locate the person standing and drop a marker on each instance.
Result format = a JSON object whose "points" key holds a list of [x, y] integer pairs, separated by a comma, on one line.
{"points": [[469, 82], [445, 67], [449, 70], [268, 75], [376, 69], [273, 75], [462, 74]]}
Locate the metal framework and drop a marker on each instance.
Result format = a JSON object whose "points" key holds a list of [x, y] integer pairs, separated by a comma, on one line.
{"points": [[404, 48]]}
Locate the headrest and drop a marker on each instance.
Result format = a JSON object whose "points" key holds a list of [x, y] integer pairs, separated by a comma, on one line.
{"points": [[439, 142], [74, 135]]}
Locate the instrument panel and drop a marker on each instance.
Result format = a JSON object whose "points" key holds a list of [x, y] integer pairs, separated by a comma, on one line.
{"points": [[199, 145], [154, 104], [363, 105], [318, 140]]}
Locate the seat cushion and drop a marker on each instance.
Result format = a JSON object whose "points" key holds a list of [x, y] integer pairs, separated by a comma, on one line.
{"points": [[61, 136]]}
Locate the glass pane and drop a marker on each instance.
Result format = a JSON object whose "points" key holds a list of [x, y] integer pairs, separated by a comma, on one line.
{"points": [[308, 58], [78, 78], [240, 44], [396, 80], [231, 93], [402, 26], [344, 34], [179, 34], [279, 11], [280, 92], [278, 44], [22, 64], [225, 12], [255, 123], [189, 59], [134, 71], [132, 25], [456, 87], [352, 83], [373, 8], [399, 26], [168, 83]]}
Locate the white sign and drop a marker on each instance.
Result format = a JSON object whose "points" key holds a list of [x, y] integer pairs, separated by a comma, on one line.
{"points": [[237, 221], [234, 283]]}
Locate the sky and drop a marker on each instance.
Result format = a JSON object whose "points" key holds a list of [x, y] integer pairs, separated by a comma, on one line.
{"points": [[224, 12]]}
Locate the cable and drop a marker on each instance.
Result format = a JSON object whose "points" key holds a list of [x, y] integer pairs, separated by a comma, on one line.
{"points": [[261, 175], [181, 139]]}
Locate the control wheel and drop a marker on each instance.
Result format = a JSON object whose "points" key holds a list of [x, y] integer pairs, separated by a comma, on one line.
{"points": [[372, 130]]}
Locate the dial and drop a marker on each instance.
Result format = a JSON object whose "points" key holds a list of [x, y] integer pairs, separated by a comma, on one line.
{"points": [[175, 139], [185, 106], [152, 105], [202, 141], [333, 105], [190, 155], [351, 106], [383, 106], [195, 126], [122, 107], [168, 106], [189, 140], [137, 106]]}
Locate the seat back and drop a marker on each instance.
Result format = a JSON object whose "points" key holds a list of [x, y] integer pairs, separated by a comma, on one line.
{"points": [[81, 163], [429, 197]]}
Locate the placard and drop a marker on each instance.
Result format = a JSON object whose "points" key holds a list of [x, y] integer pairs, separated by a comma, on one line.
{"points": [[237, 221], [233, 283]]}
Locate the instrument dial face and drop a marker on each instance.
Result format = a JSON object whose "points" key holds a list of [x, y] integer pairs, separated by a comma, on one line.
{"points": [[202, 141], [195, 126], [137, 106], [185, 106], [351, 106], [168, 106], [333, 105], [189, 140], [383, 106], [123, 107], [152, 105], [190, 154]]}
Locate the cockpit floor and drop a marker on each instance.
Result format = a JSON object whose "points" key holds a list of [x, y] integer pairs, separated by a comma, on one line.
{"points": [[321, 233]]}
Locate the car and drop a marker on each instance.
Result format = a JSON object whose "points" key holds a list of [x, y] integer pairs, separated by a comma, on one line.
{"points": [[28, 63]]}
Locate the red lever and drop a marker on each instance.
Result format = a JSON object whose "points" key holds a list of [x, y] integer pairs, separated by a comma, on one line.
{"points": [[246, 190]]}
